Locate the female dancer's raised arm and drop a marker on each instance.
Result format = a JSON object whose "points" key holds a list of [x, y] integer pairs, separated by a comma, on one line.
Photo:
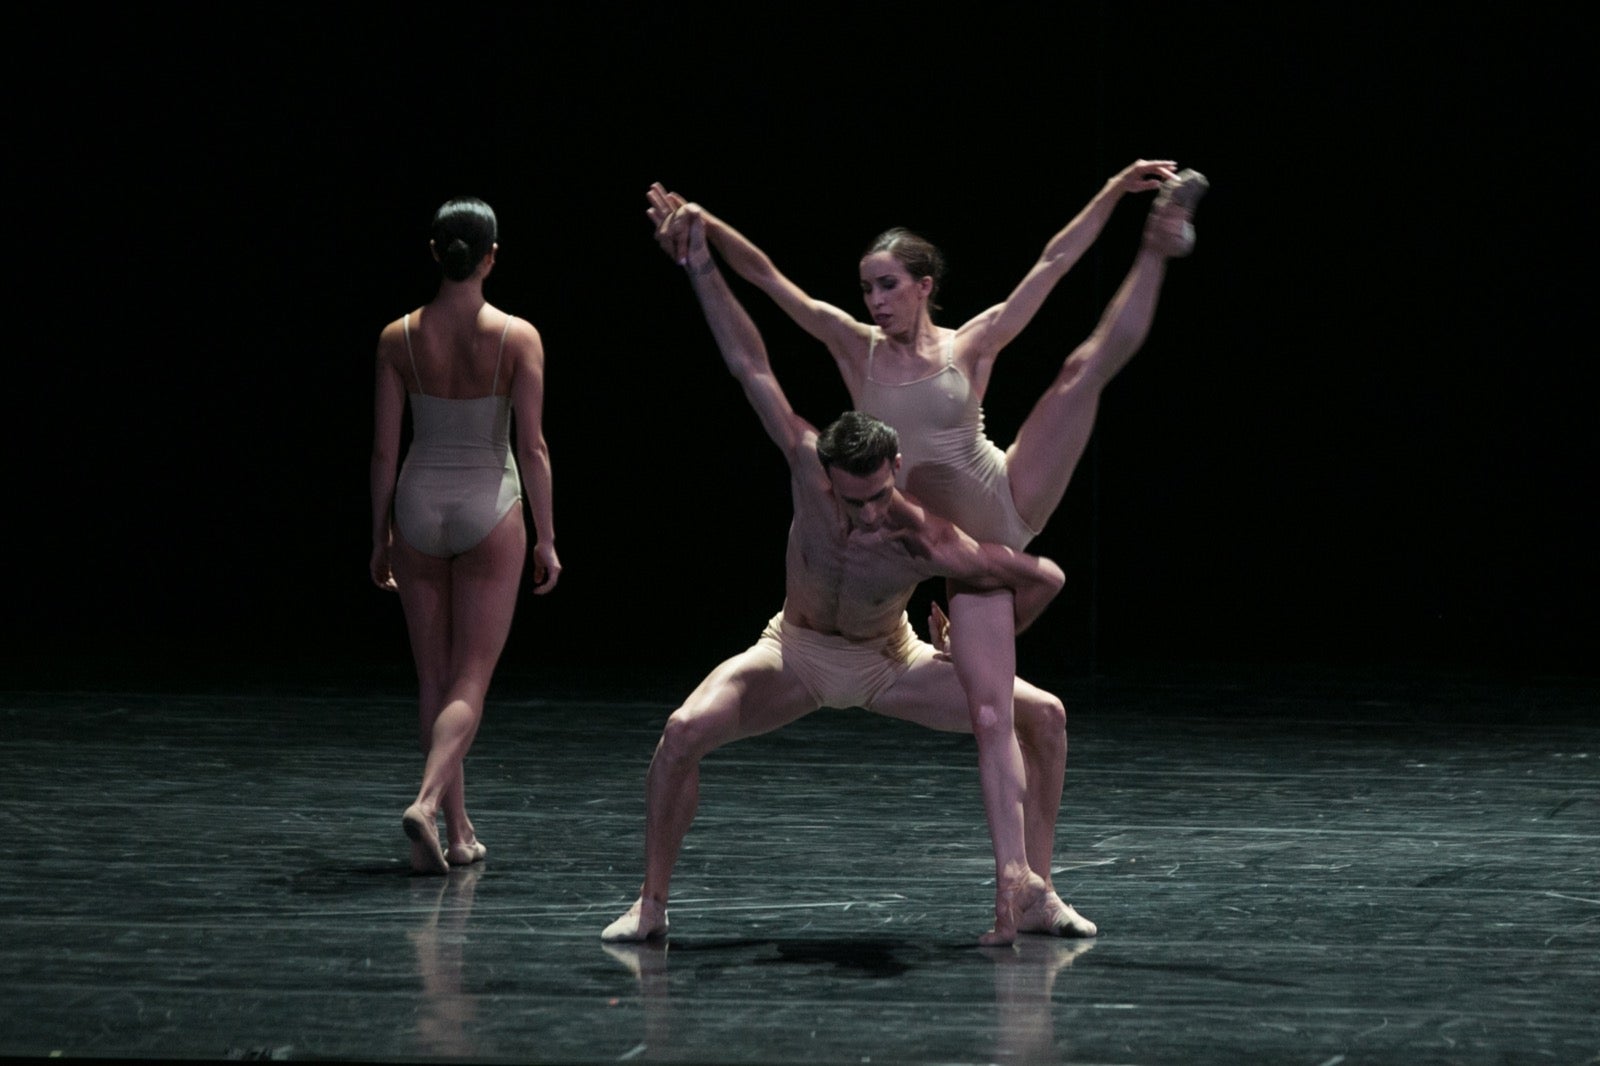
{"points": [[988, 332], [982, 337], [846, 338]]}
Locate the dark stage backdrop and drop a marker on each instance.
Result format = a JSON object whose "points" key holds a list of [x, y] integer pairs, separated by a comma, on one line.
{"points": [[1361, 431]]}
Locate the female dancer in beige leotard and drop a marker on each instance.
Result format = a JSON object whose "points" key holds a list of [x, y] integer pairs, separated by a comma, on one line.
{"points": [[452, 540]]}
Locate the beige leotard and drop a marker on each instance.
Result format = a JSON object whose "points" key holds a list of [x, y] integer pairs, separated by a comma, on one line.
{"points": [[946, 461], [460, 475]]}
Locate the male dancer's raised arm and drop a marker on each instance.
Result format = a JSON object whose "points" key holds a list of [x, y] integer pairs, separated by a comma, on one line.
{"points": [[740, 343]]}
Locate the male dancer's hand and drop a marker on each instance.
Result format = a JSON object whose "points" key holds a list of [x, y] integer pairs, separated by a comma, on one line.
{"points": [[939, 633], [672, 231]]}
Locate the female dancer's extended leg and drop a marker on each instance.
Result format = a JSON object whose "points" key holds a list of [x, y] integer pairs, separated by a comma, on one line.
{"points": [[1041, 461], [458, 612]]}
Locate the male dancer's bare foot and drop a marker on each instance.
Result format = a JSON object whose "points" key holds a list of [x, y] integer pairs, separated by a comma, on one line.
{"points": [[1051, 917], [1015, 896], [466, 854], [645, 920], [426, 855]]}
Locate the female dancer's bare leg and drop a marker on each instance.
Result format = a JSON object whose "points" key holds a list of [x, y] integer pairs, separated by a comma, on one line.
{"points": [[1041, 461], [459, 614], [984, 652]]}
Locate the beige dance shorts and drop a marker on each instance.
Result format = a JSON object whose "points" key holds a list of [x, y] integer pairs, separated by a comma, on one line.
{"points": [[837, 671]]}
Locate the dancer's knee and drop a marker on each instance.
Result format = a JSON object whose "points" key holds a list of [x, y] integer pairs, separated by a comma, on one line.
{"points": [[991, 721], [686, 738], [1042, 722]]}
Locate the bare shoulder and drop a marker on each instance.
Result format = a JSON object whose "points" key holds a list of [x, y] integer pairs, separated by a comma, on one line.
{"points": [[974, 338], [856, 341], [393, 333], [913, 516], [925, 536], [805, 465], [803, 453], [524, 344], [392, 342]]}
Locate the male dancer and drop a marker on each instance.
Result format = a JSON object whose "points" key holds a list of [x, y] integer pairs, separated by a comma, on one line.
{"points": [[858, 548]]}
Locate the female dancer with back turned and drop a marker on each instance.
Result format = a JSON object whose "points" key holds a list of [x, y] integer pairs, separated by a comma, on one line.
{"points": [[928, 383], [449, 534]]}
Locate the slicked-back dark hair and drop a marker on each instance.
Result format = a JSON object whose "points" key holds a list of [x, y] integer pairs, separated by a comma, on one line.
{"points": [[857, 444], [463, 232], [920, 257]]}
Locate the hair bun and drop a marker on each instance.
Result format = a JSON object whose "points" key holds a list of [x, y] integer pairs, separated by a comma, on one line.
{"points": [[464, 231]]}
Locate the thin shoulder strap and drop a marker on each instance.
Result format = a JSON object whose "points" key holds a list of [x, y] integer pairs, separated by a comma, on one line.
{"points": [[950, 348], [405, 325], [500, 356], [872, 346]]}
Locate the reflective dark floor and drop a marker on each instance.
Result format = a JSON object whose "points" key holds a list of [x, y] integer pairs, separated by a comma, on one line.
{"points": [[1297, 869]]}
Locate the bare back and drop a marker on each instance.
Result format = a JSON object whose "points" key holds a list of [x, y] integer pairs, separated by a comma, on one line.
{"points": [[454, 357]]}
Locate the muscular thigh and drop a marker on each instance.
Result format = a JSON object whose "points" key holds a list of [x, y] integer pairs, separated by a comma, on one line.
{"points": [[983, 642], [745, 696], [484, 583], [1041, 461], [928, 694], [423, 582]]}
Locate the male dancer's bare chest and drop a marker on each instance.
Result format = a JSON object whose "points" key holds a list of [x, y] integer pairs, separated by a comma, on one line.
{"points": [[851, 582]]}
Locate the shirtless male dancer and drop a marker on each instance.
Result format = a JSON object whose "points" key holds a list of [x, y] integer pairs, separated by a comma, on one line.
{"points": [[857, 550]]}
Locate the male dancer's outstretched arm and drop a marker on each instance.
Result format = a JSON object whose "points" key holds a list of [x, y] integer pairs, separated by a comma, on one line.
{"points": [[743, 350]]}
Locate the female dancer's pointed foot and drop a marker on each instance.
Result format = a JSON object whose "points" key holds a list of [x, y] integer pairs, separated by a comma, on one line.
{"points": [[427, 856], [645, 920], [466, 854], [1185, 189], [1051, 917], [1170, 227], [1015, 896]]}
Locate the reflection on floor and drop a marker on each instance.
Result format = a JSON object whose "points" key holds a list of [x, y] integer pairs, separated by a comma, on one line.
{"points": [[1306, 869]]}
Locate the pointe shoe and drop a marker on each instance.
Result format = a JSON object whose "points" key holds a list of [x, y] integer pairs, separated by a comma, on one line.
{"points": [[466, 854], [1007, 916], [1183, 191], [635, 926], [421, 829]]}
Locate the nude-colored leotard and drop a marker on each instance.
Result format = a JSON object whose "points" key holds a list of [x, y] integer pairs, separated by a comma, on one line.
{"points": [[946, 461], [460, 475]]}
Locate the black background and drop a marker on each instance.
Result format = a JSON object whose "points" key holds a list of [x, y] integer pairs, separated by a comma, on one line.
{"points": [[1361, 431]]}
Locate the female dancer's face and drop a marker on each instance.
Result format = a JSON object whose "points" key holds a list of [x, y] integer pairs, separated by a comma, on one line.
{"points": [[893, 297]]}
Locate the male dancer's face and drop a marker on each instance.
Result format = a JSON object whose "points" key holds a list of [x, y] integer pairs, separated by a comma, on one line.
{"points": [[864, 499]]}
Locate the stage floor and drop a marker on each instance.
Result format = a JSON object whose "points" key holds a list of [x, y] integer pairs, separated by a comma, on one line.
{"points": [[1293, 869]]}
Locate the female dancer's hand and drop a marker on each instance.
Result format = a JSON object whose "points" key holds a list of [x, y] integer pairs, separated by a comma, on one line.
{"points": [[378, 567], [546, 568], [1142, 175], [671, 232]]}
